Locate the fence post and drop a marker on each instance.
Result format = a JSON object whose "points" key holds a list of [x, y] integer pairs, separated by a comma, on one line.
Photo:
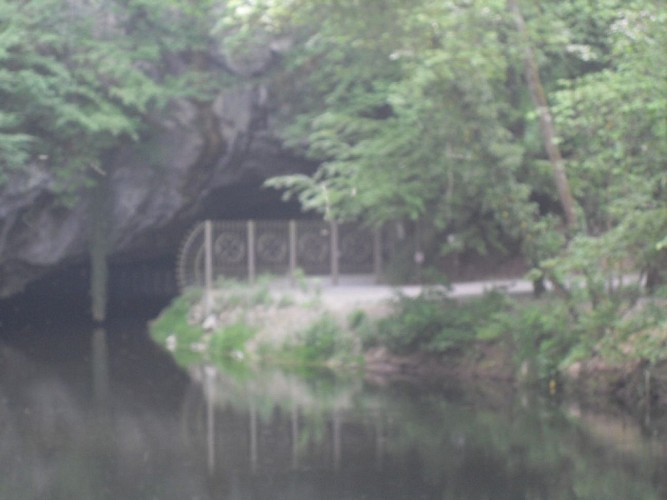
{"points": [[335, 270], [252, 269], [208, 265], [292, 250], [254, 439], [377, 254]]}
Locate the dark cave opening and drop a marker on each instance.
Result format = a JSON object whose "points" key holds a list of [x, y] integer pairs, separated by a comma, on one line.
{"points": [[63, 293]]}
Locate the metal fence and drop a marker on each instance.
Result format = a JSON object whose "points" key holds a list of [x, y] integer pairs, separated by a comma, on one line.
{"points": [[245, 249]]}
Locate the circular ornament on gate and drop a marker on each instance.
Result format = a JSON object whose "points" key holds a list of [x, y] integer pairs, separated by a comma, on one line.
{"points": [[356, 247], [312, 248], [272, 247], [230, 248]]}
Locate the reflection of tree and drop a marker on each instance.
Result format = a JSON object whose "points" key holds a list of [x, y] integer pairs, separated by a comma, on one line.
{"points": [[305, 412], [301, 436], [473, 450], [526, 452], [64, 439], [100, 368]]}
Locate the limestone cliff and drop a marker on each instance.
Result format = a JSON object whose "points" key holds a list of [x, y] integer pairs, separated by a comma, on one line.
{"points": [[158, 186]]}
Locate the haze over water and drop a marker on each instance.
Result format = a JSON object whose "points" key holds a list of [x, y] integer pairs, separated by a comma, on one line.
{"points": [[108, 414]]}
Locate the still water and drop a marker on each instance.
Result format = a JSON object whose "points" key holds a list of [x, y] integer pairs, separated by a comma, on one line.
{"points": [[107, 414]]}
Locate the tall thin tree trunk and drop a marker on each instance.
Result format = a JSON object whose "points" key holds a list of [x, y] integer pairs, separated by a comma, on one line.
{"points": [[99, 250], [546, 121]]}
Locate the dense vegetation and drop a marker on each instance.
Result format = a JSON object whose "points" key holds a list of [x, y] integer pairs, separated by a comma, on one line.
{"points": [[80, 78], [492, 126], [495, 126]]}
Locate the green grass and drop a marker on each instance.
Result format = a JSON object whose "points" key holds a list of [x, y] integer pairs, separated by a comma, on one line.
{"points": [[173, 321], [230, 341]]}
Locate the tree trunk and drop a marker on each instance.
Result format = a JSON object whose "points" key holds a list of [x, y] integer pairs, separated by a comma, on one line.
{"points": [[546, 121], [99, 250]]}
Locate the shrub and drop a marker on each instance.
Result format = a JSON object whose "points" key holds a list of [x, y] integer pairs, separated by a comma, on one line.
{"points": [[433, 322], [231, 340], [174, 321], [542, 335], [322, 343], [317, 343]]}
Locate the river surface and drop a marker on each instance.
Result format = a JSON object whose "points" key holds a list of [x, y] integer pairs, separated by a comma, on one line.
{"points": [[96, 414]]}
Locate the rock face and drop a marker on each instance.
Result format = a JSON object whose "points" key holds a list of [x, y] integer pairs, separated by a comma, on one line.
{"points": [[157, 187]]}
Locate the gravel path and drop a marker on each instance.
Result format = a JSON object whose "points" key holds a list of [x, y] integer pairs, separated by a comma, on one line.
{"points": [[362, 290]]}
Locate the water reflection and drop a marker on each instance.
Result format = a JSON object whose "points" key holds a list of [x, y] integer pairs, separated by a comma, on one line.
{"points": [[72, 427], [100, 368], [348, 440], [106, 414]]}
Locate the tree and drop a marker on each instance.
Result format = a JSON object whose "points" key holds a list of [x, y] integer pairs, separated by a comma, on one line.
{"points": [[615, 134], [420, 116], [423, 114], [549, 135], [79, 78]]}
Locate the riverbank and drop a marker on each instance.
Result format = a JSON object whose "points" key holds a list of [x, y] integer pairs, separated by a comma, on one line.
{"points": [[484, 331]]}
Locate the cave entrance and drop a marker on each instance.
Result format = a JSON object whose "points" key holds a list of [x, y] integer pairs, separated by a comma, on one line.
{"points": [[249, 201], [142, 279]]}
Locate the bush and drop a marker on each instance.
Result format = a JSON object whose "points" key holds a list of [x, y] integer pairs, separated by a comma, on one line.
{"points": [[542, 335], [435, 323], [173, 321], [231, 340], [322, 343], [318, 342]]}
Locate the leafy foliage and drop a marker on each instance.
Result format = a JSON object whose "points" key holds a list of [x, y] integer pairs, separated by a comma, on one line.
{"points": [[615, 128], [318, 342], [415, 111], [423, 115], [80, 78], [231, 340], [435, 323], [412, 117]]}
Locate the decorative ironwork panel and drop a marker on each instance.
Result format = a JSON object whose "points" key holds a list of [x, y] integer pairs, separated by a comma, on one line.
{"points": [[313, 247], [272, 246], [190, 265], [230, 249], [355, 247]]}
